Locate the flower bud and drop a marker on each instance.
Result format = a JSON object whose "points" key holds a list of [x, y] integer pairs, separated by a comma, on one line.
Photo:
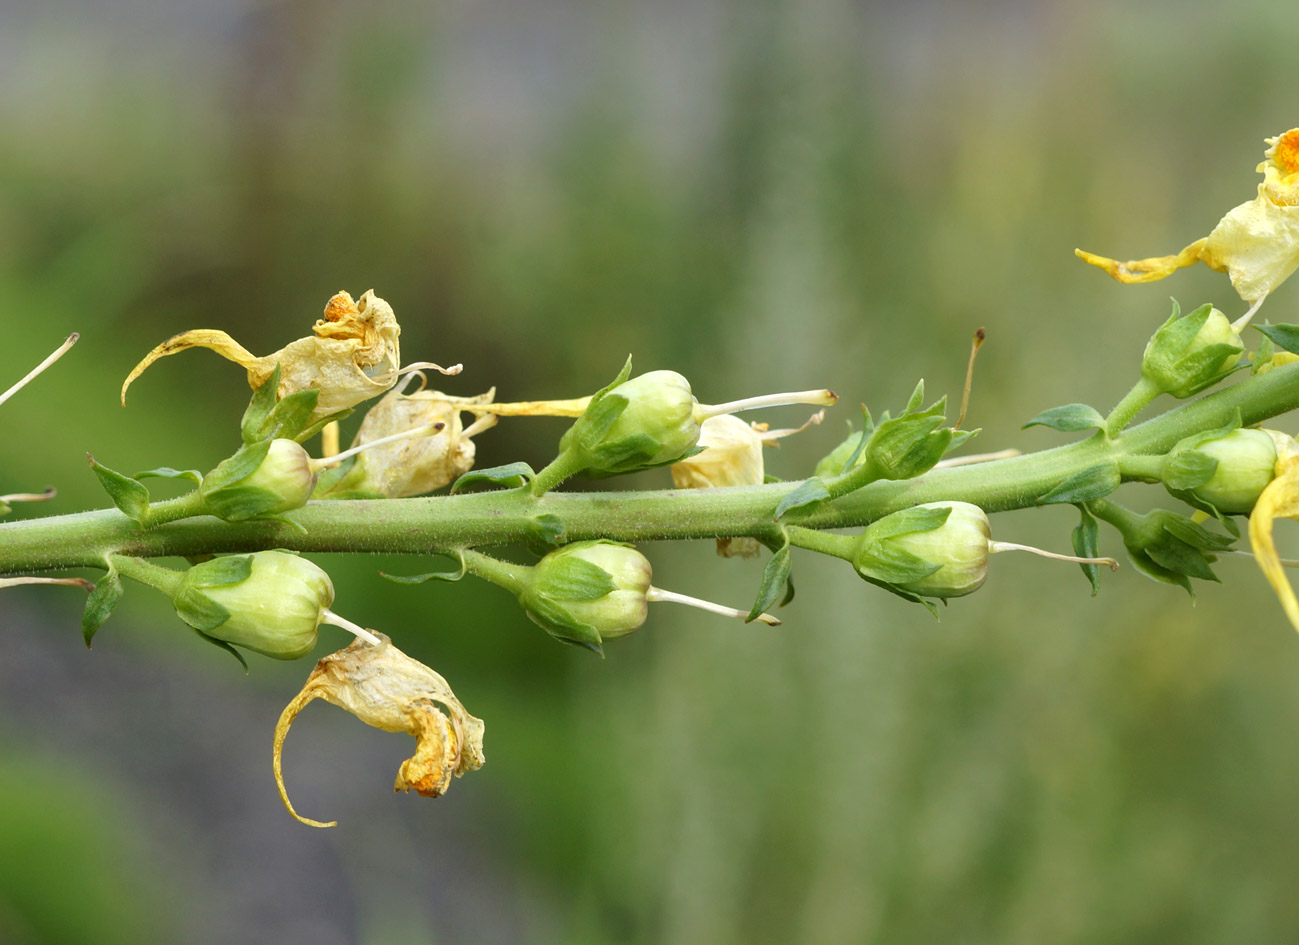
{"points": [[1191, 352], [270, 602], [281, 482], [589, 591], [922, 552], [656, 426], [1243, 462]]}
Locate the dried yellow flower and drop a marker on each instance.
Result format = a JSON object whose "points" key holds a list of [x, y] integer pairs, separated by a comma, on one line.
{"points": [[352, 355], [731, 456], [385, 688], [1256, 243]]}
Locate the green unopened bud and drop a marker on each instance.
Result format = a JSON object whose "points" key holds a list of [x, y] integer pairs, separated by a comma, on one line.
{"points": [[656, 426], [1191, 352], [1227, 472], [281, 482], [938, 549], [271, 602], [588, 592]]}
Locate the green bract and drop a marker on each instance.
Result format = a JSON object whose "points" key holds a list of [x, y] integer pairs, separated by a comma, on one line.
{"points": [[270, 602]]}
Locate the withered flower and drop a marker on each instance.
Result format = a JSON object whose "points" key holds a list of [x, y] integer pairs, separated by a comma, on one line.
{"points": [[352, 355], [384, 687]]}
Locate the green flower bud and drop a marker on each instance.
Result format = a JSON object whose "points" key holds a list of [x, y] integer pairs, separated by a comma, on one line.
{"points": [[833, 462], [1191, 352], [1228, 472], [588, 592], [270, 601], [656, 426], [955, 553], [281, 482]]}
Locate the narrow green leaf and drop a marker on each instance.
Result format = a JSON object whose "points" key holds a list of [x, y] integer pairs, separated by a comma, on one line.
{"points": [[775, 579], [130, 496], [1094, 482], [1283, 336], [511, 476], [546, 530], [1086, 544], [430, 576], [224, 645], [166, 472], [99, 605], [809, 492], [1071, 418]]}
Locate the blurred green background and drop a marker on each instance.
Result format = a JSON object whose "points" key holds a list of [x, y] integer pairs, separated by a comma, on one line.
{"points": [[763, 195]]}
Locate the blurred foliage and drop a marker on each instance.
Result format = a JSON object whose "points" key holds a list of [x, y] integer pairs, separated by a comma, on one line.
{"points": [[769, 195]]}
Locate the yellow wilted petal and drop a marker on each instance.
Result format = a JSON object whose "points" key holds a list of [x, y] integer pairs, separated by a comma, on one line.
{"points": [[1144, 270], [352, 355], [1279, 500], [385, 688]]}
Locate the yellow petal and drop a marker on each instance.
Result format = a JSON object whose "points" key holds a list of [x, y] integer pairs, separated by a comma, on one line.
{"points": [[1144, 270], [1257, 244], [1279, 500], [218, 341], [385, 688]]}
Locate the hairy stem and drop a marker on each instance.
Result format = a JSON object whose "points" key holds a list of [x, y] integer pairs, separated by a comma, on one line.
{"points": [[422, 525]]}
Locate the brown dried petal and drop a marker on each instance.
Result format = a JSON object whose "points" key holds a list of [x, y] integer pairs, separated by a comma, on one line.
{"points": [[385, 688], [352, 356]]}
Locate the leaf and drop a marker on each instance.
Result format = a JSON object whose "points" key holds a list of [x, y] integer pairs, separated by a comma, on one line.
{"points": [[1094, 482], [99, 605], [546, 530], [166, 472], [511, 476], [1071, 418], [1086, 544], [775, 578], [1283, 336], [809, 492], [130, 496], [430, 576]]}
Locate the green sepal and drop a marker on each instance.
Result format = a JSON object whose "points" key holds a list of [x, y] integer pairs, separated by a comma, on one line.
{"points": [[570, 578], [1175, 372], [198, 610], [1086, 544], [1071, 418], [241, 465], [917, 397], [775, 579], [292, 414], [890, 564], [332, 478], [928, 604], [99, 605], [1266, 350], [1147, 566], [600, 413], [240, 503], [223, 645], [1189, 469], [560, 624], [221, 571], [258, 412], [908, 522], [512, 476], [1094, 482], [316, 427], [130, 496], [430, 576], [959, 437], [628, 454], [166, 472], [809, 492], [1283, 336], [1195, 534], [908, 446]]}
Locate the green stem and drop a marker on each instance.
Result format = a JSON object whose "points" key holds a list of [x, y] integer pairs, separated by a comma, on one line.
{"points": [[837, 546], [513, 577], [567, 464], [172, 510], [1142, 393], [417, 526], [155, 576], [1142, 466]]}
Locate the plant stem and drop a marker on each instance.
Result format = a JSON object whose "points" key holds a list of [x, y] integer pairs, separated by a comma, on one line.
{"points": [[420, 525], [1142, 393], [171, 510], [512, 577], [146, 572], [1142, 466]]}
